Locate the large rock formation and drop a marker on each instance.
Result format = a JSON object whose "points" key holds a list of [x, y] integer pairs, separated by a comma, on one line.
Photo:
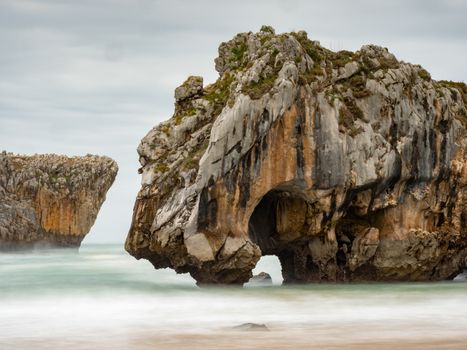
{"points": [[51, 200], [346, 165]]}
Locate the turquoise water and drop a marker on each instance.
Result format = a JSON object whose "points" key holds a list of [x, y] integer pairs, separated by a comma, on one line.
{"points": [[103, 298]]}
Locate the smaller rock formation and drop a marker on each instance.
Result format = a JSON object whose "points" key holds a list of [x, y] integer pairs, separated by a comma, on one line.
{"points": [[248, 327], [261, 278], [51, 200]]}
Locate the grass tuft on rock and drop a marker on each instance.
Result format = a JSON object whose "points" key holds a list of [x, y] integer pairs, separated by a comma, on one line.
{"points": [[423, 74], [267, 29], [218, 93], [341, 58], [161, 168]]}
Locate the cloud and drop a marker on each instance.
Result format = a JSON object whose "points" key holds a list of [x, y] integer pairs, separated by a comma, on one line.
{"points": [[94, 76]]}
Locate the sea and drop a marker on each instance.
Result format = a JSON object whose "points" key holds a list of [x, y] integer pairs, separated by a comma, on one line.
{"points": [[100, 297]]}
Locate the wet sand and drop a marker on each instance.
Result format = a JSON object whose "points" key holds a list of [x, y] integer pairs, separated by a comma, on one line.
{"points": [[246, 340], [273, 342]]}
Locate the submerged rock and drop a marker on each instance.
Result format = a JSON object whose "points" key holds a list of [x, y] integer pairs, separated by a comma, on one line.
{"points": [[251, 327], [261, 278], [51, 200], [346, 165]]}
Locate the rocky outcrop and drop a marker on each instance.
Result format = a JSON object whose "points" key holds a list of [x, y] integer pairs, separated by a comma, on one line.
{"points": [[262, 278], [51, 200], [346, 165]]}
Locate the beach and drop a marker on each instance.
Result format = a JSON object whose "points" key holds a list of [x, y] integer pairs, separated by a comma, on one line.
{"points": [[100, 297]]}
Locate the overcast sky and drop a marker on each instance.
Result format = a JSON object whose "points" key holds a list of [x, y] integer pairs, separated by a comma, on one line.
{"points": [[93, 76]]}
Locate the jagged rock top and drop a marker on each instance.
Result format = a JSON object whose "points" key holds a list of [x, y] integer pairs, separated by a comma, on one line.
{"points": [[258, 65], [329, 142], [50, 198]]}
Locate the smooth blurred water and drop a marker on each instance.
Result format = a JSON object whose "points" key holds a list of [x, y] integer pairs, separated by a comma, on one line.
{"points": [[102, 298]]}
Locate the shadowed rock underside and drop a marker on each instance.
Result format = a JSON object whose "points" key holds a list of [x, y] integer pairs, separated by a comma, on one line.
{"points": [[51, 200], [348, 166]]}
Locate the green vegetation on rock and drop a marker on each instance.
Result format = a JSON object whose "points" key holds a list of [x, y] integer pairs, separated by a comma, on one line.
{"points": [[341, 58], [423, 74], [316, 53], [256, 89], [218, 93], [238, 52], [184, 110], [165, 128], [347, 119], [310, 75], [460, 86], [192, 160], [357, 83], [267, 29], [161, 168]]}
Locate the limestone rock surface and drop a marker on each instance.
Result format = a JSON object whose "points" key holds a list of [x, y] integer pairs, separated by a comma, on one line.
{"points": [[348, 166], [51, 200]]}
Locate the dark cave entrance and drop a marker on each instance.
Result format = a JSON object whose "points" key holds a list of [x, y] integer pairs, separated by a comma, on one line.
{"points": [[262, 224]]}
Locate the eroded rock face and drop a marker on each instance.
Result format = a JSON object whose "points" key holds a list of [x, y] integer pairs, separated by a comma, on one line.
{"points": [[51, 200], [346, 165]]}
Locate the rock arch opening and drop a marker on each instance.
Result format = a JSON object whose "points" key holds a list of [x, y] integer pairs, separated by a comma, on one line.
{"points": [[267, 271], [277, 226]]}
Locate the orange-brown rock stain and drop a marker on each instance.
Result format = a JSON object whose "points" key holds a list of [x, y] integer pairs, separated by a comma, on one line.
{"points": [[278, 167], [67, 215]]}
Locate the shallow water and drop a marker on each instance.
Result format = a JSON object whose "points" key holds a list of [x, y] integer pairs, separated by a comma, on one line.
{"points": [[103, 298]]}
